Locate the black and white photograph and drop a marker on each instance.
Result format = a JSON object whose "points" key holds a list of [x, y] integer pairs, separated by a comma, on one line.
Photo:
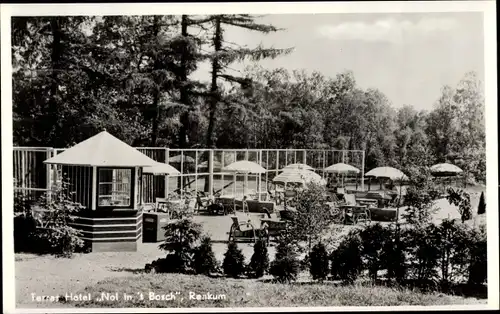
{"points": [[272, 156]]}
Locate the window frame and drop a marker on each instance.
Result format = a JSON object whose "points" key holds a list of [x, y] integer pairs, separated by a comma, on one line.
{"points": [[131, 191]]}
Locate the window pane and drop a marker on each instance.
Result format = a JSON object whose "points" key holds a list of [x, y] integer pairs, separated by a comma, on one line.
{"points": [[115, 187]]}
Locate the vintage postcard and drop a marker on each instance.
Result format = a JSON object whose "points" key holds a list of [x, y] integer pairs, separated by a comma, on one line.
{"points": [[249, 156]]}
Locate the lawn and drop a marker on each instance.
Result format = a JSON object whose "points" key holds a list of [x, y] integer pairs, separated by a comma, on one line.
{"points": [[192, 291]]}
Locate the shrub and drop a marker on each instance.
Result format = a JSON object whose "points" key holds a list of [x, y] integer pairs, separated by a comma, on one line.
{"points": [[393, 255], [234, 261], [180, 238], [53, 233], [423, 252], [346, 259], [259, 262], [319, 262], [478, 267], [285, 266], [204, 261], [373, 240], [481, 209]]}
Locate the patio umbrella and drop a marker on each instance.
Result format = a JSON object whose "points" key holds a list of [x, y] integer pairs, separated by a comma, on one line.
{"points": [[298, 166], [341, 168], [387, 172], [246, 167], [445, 170], [298, 176], [160, 168], [391, 173]]}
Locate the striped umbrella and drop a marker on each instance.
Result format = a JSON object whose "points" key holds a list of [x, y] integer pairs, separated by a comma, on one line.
{"points": [[298, 176], [445, 170], [298, 166], [342, 168]]}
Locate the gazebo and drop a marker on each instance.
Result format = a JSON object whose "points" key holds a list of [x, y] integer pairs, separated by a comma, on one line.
{"points": [[104, 174]]}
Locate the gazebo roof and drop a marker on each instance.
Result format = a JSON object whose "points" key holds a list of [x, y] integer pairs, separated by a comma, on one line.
{"points": [[102, 150]]}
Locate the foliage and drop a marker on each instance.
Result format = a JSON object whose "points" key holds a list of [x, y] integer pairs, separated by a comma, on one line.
{"points": [[481, 208], [259, 262], [234, 261], [204, 261], [285, 266], [461, 199], [347, 262], [180, 238], [319, 265]]}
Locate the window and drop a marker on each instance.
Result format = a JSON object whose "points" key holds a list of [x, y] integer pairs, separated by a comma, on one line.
{"points": [[115, 187]]}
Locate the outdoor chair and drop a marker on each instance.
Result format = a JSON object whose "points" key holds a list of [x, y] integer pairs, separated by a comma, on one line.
{"points": [[350, 199], [242, 231], [202, 204]]}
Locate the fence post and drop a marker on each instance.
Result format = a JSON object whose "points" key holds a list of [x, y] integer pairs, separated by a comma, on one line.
{"points": [[363, 172], [50, 153], [211, 172], [304, 157], [167, 157], [260, 174]]}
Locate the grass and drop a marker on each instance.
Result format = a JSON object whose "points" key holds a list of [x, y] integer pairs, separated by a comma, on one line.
{"points": [[253, 293]]}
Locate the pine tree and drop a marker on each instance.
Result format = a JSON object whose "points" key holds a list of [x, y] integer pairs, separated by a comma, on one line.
{"points": [[481, 209], [259, 263], [285, 267], [319, 262], [234, 261], [204, 261]]}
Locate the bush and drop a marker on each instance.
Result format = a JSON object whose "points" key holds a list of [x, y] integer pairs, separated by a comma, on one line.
{"points": [[24, 227], [422, 252], [234, 261], [373, 239], [180, 238], [319, 262], [478, 267], [51, 232], [204, 261], [346, 259], [285, 266], [394, 256], [481, 209], [259, 263]]}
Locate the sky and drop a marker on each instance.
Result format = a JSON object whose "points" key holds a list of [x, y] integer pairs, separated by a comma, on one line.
{"points": [[407, 56]]}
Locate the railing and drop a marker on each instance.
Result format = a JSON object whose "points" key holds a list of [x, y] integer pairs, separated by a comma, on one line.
{"points": [[33, 176]]}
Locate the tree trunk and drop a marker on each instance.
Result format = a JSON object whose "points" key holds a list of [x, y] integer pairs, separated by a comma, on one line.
{"points": [[53, 127], [214, 97], [184, 97], [156, 95]]}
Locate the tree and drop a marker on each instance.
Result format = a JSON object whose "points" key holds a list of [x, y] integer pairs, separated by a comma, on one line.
{"points": [[259, 262], [311, 218], [180, 238], [285, 266], [234, 261], [204, 261]]}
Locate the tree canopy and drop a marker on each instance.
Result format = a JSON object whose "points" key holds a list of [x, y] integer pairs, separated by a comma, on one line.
{"points": [[74, 76]]}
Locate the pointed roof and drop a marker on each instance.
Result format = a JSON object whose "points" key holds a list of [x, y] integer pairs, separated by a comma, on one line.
{"points": [[102, 150]]}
